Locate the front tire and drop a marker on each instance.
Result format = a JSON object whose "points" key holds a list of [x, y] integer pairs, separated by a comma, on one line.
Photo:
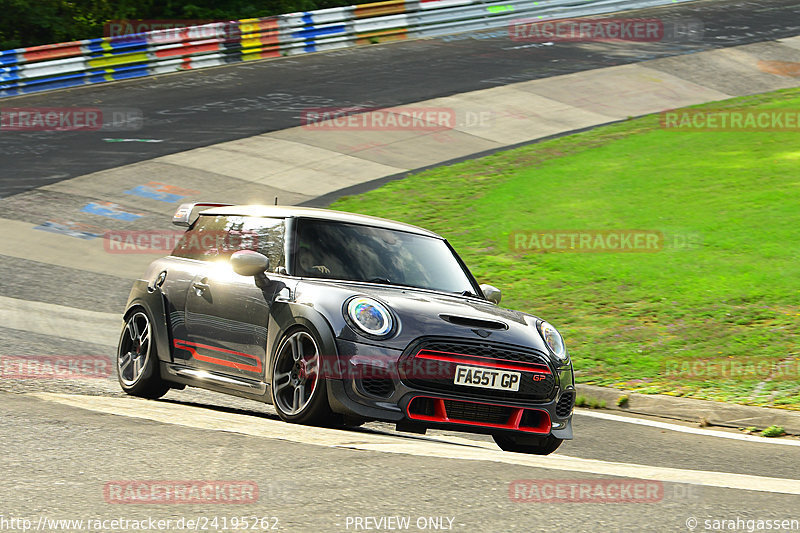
{"points": [[299, 393], [527, 444], [137, 363]]}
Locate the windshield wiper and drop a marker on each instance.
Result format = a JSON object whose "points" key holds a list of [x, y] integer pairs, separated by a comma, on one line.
{"points": [[379, 280], [387, 281], [469, 293]]}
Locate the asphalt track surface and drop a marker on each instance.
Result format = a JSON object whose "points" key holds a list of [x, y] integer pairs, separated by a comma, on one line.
{"points": [[60, 458], [188, 110], [62, 441]]}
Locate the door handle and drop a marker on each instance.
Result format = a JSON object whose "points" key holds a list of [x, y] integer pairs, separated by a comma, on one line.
{"points": [[200, 286]]}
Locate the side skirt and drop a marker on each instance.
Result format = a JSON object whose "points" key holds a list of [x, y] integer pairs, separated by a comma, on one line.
{"points": [[243, 388]]}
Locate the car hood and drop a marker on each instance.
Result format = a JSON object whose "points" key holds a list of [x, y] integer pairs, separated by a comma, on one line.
{"points": [[423, 313]]}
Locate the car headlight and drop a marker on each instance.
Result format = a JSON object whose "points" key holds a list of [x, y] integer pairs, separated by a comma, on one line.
{"points": [[553, 339], [370, 316]]}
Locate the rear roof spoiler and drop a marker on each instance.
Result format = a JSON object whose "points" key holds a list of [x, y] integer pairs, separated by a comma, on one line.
{"points": [[183, 216]]}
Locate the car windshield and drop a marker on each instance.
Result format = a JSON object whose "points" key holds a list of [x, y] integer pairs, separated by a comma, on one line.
{"points": [[335, 250]]}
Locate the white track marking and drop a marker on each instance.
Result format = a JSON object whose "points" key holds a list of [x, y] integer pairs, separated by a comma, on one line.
{"points": [[684, 429], [203, 418], [60, 321]]}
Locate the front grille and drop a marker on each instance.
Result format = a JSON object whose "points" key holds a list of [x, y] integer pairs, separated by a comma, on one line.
{"points": [[485, 349], [380, 387], [528, 389], [477, 412], [536, 384], [565, 403]]}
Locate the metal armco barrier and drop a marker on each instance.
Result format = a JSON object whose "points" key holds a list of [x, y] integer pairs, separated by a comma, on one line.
{"points": [[41, 68]]}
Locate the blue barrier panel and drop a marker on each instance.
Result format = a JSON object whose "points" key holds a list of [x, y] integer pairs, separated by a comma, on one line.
{"points": [[8, 57], [313, 33], [54, 82], [138, 40], [117, 45], [9, 73], [118, 73], [309, 33]]}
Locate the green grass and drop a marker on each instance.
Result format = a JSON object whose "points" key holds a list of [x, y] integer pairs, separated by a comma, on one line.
{"points": [[731, 296], [773, 431]]}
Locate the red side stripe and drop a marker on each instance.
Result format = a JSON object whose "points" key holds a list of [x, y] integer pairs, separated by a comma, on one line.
{"points": [[190, 347]]}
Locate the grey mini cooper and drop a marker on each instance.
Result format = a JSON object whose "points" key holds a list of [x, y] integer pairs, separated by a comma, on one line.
{"points": [[336, 318]]}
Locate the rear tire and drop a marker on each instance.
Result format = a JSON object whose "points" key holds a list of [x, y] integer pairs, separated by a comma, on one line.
{"points": [[137, 363], [299, 393], [527, 444]]}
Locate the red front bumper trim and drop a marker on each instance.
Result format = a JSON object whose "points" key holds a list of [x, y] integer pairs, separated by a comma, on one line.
{"points": [[514, 422]]}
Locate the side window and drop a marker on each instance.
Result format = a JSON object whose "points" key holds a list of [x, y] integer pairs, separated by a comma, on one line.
{"points": [[214, 237], [263, 235], [201, 241]]}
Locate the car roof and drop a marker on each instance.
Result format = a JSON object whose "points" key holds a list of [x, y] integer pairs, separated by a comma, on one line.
{"points": [[279, 211]]}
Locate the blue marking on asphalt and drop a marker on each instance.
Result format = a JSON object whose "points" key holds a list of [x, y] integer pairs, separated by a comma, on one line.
{"points": [[63, 229], [153, 194], [109, 211]]}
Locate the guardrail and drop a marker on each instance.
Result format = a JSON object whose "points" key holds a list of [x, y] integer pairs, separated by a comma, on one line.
{"points": [[41, 68]]}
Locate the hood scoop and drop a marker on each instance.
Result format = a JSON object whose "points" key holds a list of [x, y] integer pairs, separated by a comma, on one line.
{"points": [[471, 322]]}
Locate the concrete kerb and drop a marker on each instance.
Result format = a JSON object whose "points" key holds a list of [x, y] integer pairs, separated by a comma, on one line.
{"points": [[694, 410], [327, 199]]}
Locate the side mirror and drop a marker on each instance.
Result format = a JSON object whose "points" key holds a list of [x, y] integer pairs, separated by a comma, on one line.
{"points": [[250, 263], [492, 294]]}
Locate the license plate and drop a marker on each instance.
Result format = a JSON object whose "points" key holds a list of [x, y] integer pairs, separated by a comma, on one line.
{"points": [[487, 378]]}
